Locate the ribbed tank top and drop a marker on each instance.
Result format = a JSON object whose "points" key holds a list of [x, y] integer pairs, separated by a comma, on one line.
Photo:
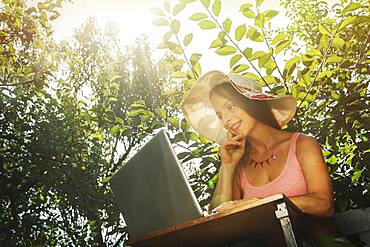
{"points": [[291, 180]]}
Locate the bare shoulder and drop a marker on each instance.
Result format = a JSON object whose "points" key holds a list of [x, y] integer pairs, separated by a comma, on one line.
{"points": [[307, 142], [308, 148]]}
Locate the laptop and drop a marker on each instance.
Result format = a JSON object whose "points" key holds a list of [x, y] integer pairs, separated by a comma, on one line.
{"points": [[152, 191]]}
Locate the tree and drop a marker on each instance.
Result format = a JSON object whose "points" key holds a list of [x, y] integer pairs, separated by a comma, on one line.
{"points": [[326, 54], [72, 114]]}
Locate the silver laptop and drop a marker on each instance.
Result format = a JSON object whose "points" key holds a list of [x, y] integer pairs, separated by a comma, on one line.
{"points": [[152, 191]]}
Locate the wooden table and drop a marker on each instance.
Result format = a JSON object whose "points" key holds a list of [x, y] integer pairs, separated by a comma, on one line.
{"points": [[273, 216]]}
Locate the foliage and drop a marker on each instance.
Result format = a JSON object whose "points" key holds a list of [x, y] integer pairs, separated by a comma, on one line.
{"points": [[71, 115], [325, 50]]}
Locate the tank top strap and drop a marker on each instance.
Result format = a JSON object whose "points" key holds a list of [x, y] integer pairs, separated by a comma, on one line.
{"points": [[293, 144]]}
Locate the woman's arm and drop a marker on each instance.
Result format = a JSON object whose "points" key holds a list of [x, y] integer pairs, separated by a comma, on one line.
{"points": [[230, 152], [319, 198], [224, 187]]}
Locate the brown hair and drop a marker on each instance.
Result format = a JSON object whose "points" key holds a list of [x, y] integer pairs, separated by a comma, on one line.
{"points": [[258, 109]]}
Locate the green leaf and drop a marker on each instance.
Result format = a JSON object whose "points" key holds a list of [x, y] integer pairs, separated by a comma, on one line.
{"points": [[350, 7], [248, 52], [240, 32], [259, 2], [221, 36], [174, 47], [205, 3], [240, 68], [161, 22], [213, 181], [198, 16], [334, 59], [269, 14], [249, 13], [324, 42], [254, 35], [313, 52], [227, 25], [279, 37], [216, 43], [290, 66], [178, 8], [356, 175], [338, 42], [194, 58], [226, 50], [105, 180], [265, 61], [167, 36], [157, 11], [178, 74], [332, 160], [259, 21], [175, 26], [119, 120], [97, 135], [323, 30], [256, 55], [235, 59], [281, 45], [334, 95], [166, 5], [252, 75], [197, 69], [245, 7], [135, 112], [161, 112], [188, 38], [269, 65], [207, 24], [173, 121], [114, 129], [216, 7], [202, 139], [346, 22], [193, 136], [271, 79]]}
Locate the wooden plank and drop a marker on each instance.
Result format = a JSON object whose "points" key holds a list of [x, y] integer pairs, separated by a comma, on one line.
{"points": [[221, 228]]}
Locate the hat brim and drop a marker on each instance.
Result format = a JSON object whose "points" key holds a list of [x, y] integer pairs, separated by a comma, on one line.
{"points": [[198, 109]]}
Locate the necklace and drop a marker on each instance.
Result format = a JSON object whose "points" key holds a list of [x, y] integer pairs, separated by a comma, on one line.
{"points": [[256, 163]]}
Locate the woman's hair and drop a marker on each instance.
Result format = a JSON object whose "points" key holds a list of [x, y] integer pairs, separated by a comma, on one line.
{"points": [[258, 109]]}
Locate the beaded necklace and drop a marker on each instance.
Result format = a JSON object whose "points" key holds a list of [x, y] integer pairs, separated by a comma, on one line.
{"points": [[256, 163]]}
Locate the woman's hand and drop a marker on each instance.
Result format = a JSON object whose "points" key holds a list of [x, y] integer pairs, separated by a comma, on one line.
{"points": [[232, 150], [226, 206]]}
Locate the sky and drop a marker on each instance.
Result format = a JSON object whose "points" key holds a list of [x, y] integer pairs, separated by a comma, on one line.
{"points": [[134, 18]]}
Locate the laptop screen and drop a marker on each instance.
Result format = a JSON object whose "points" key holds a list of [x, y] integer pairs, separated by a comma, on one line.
{"points": [[152, 191]]}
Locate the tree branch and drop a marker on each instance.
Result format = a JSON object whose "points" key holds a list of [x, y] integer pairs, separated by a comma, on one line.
{"points": [[272, 56], [238, 48]]}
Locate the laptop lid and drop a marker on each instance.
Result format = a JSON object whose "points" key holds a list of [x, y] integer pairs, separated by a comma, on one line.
{"points": [[152, 191]]}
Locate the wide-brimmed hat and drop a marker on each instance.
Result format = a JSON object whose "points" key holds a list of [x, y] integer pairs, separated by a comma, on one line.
{"points": [[198, 109]]}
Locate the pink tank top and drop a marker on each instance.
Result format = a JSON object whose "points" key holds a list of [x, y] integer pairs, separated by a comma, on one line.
{"points": [[291, 180]]}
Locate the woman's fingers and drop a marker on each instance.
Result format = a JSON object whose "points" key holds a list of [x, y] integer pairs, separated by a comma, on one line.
{"points": [[237, 138], [232, 204], [232, 144], [224, 206]]}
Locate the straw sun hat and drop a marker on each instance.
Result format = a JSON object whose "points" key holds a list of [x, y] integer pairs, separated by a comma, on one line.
{"points": [[198, 109]]}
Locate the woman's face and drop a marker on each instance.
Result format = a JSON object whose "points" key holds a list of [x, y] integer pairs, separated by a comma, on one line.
{"points": [[235, 120]]}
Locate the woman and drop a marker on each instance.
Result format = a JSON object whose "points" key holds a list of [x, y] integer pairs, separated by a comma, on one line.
{"points": [[258, 159]]}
